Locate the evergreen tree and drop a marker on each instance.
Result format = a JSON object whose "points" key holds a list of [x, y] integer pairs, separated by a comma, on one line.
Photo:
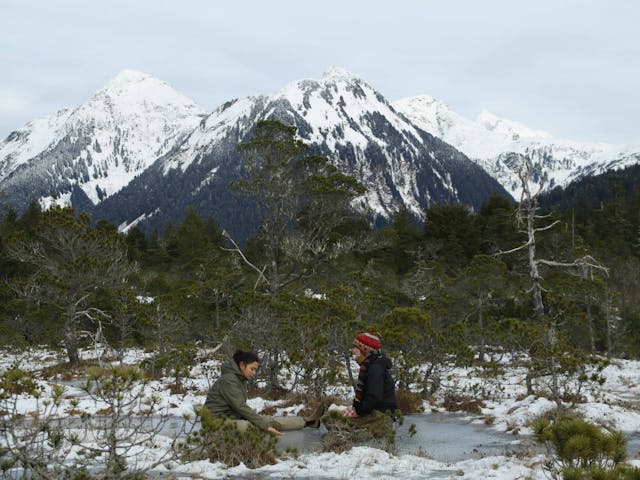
{"points": [[293, 189], [453, 234], [483, 285], [70, 262]]}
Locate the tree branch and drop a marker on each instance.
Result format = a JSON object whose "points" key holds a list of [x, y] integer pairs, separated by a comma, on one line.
{"points": [[261, 276], [513, 250]]}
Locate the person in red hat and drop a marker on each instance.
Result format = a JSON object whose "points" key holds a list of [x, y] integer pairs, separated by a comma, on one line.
{"points": [[375, 389]]}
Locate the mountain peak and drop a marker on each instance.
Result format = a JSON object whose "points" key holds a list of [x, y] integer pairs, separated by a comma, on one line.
{"points": [[130, 75], [336, 73], [132, 92], [127, 78], [131, 87]]}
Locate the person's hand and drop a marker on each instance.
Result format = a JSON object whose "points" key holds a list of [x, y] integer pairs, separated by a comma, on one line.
{"points": [[349, 412], [274, 431]]}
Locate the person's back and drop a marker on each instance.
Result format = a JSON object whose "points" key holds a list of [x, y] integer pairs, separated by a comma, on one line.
{"points": [[378, 386], [374, 404]]}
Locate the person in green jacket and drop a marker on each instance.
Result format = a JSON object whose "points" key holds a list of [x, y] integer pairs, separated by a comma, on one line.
{"points": [[228, 398]]}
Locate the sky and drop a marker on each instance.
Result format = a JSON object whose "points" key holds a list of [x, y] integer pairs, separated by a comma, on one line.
{"points": [[569, 67]]}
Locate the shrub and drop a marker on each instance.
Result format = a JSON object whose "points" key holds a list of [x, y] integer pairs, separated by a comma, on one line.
{"points": [[583, 451], [375, 429], [219, 440]]}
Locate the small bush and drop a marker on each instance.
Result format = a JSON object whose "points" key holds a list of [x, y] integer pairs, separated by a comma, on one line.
{"points": [[15, 381], [621, 472], [583, 451], [555, 414], [219, 440], [375, 429]]}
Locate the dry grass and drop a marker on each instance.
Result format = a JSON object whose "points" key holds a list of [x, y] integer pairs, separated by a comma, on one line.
{"points": [[409, 402], [292, 399], [460, 403], [555, 414], [64, 371], [177, 389], [489, 420]]}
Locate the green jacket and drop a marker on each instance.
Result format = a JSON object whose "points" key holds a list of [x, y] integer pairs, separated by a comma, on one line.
{"points": [[228, 397]]}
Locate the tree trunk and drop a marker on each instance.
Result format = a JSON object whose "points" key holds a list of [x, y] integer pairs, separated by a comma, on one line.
{"points": [[481, 327], [592, 340], [529, 382], [347, 362], [71, 344], [609, 327], [536, 288]]}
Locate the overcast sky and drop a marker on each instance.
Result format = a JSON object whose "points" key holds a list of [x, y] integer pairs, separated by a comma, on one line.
{"points": [[570, 67]]}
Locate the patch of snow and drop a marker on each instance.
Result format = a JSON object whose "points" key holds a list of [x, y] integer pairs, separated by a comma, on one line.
{"points": [[62, 200]]}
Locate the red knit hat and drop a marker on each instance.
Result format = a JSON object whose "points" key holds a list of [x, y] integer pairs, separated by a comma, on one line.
{"points": [[367, 342]]}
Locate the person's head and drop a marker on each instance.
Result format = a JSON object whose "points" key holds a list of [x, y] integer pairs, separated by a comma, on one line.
{"points": [[364, 344], [248, 363]]}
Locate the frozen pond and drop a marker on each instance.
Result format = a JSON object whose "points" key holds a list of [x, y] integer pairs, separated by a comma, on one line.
{"points": [[451, 438], [447, 438], [442, 437]]}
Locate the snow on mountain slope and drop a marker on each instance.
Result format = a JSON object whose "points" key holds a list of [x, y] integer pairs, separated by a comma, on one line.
{"points": [[26, 142], [235, 116], [102, 144], [492, 141], [140, 150], [345, 119], [340, 116], [360, 131]]}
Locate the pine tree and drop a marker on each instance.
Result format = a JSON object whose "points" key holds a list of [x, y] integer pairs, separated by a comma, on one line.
{"points": [[70, 262]]}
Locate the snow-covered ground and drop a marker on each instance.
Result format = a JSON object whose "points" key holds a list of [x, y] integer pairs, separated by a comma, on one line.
{"points": [[615, 404]]}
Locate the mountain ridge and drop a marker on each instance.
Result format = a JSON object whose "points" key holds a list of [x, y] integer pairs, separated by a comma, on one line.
{"points": [[99, 145], [341, 117], [496, 143], [138, 151]]}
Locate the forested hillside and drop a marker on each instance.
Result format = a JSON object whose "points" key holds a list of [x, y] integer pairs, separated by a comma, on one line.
{"points": [[461, 286]]}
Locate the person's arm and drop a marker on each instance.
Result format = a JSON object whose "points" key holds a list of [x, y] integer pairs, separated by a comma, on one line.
{"points": [[233, 395], [374, 390]]}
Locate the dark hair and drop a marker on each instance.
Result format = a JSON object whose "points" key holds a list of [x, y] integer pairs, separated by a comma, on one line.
{"points": [[245, 357]]}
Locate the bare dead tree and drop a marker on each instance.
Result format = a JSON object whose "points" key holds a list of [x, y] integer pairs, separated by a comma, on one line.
{"points": [[528, 220]]}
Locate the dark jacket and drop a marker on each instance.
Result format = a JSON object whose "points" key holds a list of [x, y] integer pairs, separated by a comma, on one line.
{"points": [[379, 390], [228, 397]]}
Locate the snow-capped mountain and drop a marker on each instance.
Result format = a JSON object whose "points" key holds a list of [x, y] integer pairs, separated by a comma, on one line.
{"points": [[98, 147], [497, 143], [25, 143], [139, 152], [341, 117]]}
